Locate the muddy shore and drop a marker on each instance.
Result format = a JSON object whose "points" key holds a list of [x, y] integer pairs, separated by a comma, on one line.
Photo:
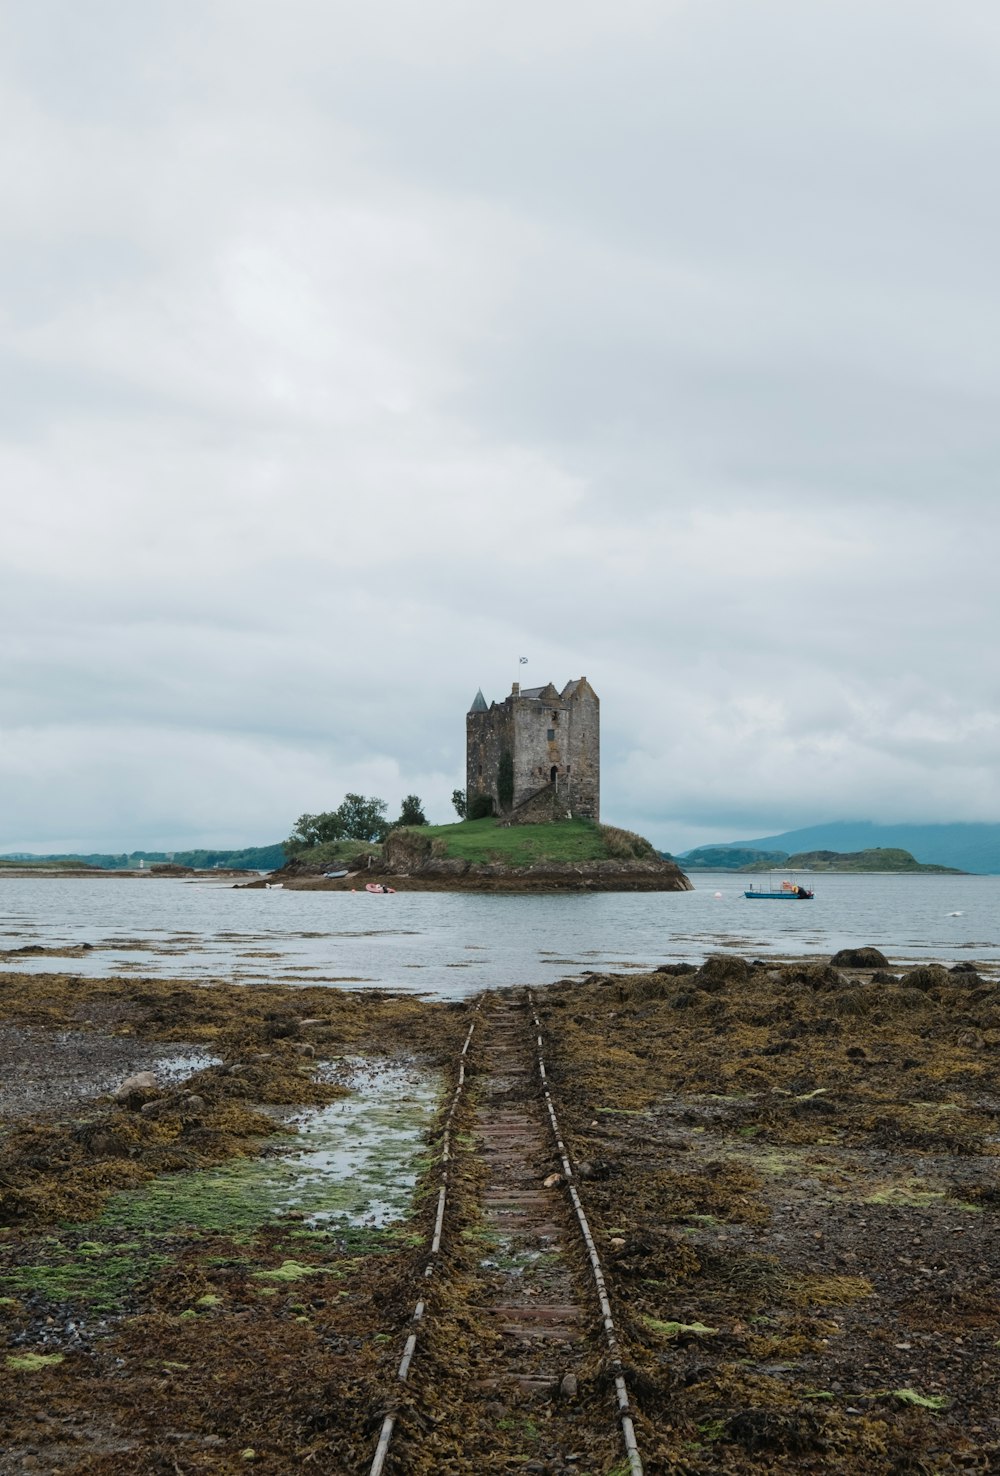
{"points": [[790, 1169]]}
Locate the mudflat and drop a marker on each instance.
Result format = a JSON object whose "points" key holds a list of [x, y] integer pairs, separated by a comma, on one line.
{"points": [[789, 1170]]}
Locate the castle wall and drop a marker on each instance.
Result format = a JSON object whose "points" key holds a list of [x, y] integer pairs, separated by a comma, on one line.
{"points": [[535, 753], [487, 734], [584, 754]]}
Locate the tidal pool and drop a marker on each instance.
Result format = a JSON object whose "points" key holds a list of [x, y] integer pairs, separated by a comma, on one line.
{"points": [[351, 1164]]}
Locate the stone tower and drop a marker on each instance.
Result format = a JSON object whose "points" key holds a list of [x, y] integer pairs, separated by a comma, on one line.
{"points": [[537, 754]]}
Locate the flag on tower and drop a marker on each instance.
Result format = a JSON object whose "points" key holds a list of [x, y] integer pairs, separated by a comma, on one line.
{"points": [[523, 660]]}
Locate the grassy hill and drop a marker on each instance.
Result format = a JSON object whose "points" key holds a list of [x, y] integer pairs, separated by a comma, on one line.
{"points": [[877, 858], [562, 842], [522, 845]]}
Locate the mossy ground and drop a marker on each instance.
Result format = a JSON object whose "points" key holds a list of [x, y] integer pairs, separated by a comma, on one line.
{"points": [[188, 1339]]}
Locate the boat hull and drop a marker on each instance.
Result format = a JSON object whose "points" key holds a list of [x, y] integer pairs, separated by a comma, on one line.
{"points": [[778, 896]]}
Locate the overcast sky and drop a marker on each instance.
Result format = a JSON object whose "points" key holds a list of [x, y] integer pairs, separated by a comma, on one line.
{"points": [[351, 352]]}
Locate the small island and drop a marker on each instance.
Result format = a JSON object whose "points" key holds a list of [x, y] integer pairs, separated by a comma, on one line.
{"points": [[487, 856], [529, 815], [890, 859]]}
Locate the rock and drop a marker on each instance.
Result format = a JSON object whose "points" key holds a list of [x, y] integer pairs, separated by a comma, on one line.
{"points": [[102, 1144], [860, 958], [815, 975], [616, 1243], [304, 1049], [193, 1103], [569, 1386], [142, 1081], [596, 1169], [928, 976], [722, 969], [312, 1024], [552, 1181]]}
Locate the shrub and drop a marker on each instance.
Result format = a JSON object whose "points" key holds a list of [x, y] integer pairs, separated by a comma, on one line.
{"points": [[625, 845], [480, 807]]}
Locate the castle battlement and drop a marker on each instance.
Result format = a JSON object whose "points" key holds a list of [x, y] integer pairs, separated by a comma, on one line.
{"points": [[538, 745]]}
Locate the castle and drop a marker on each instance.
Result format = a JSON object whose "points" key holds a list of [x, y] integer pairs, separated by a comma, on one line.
{"points": [[536, 756]]}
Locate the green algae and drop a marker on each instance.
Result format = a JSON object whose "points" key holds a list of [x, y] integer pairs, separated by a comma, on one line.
{"points": [[74, 1274], [354, 1163], [32, 1362], [295, 1271]]}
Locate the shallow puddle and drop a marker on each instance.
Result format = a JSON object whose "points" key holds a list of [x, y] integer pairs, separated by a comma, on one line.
{"points": [[354, 1163]]}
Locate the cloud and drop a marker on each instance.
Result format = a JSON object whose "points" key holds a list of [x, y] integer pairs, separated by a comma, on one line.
{"points": [[349, 354]]}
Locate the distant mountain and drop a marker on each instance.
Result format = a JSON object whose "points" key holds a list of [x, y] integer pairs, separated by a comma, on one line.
{"points": [[251, 858], [969, 847]]}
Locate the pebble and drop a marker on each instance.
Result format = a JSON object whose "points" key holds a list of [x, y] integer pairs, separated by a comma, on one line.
{"points": [[569, 1386]]}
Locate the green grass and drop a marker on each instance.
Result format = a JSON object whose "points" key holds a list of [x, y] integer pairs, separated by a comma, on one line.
{"points": [[520, 845]]}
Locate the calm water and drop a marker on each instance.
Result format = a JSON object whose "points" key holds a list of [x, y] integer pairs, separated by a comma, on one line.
{"points": [[453, 944]]}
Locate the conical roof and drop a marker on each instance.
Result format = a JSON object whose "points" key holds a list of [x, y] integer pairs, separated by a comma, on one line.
{"points": [[479, 702]]}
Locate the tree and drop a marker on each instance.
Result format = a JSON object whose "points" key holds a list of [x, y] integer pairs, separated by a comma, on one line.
{"points": [[412, 811], [458, 799], [363, 819], [355, 818], [315, 830]]}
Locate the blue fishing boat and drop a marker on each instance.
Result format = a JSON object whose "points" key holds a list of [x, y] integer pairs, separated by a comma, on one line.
{"points": [[787, 892]]}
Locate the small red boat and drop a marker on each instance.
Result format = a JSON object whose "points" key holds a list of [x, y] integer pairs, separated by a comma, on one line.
{"points": [[378, 888]]}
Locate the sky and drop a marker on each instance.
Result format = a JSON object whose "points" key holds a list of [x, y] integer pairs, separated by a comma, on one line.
{"points": [[351, 353]]}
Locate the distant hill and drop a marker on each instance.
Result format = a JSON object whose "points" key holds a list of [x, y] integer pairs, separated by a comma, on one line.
{"points": [[727, 858], [251, 858], [880, 858], [969, 847]]}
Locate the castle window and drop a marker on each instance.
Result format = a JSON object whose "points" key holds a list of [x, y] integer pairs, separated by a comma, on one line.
{"points": [[480, 771], [550, 734]]}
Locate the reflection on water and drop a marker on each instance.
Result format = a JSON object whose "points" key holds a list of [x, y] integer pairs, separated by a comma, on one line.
{"points": [[453, 944]]}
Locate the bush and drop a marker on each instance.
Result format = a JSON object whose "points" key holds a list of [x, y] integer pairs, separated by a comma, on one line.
{"points": [[625, 845], [480, 807]]}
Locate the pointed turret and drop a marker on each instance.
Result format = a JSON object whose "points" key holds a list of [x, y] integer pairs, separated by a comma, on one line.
{"points": [[479, 702]]}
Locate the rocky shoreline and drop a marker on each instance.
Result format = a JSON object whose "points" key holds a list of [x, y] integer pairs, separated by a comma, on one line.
{"points": [[447, 874], [789, 1167]]}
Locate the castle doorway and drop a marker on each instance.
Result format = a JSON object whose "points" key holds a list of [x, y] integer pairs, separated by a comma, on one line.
{"points": [[553, 774]]}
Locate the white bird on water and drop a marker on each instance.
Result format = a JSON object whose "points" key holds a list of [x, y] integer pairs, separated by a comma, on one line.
{"points": [[956, 914]]}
